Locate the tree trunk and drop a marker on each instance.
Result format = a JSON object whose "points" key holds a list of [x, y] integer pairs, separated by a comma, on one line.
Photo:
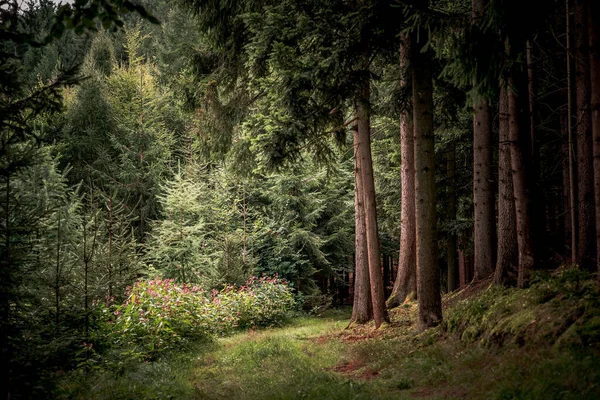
{"points": [[537, 194], [586, 247], [465, 267], [572, 156], [406, 278], [483, 192], [594, 29], [452, 242], [508, 254], [521, 167], [483, 187], [566, 223], [428, 274], [366, 168], [362, 310], [57, 278]]}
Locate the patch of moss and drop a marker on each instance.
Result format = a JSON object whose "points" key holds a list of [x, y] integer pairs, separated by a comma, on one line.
{"points": [[563, 308]]}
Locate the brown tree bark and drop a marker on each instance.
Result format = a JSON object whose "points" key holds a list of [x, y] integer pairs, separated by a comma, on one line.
{"points": [[386, 274], [362, 310], [572, 168], [406, 278], [428, 274], [465, 264], [594, 30], [452, 240], [508, 254], [483, 184], [520, 148], [566, 223], [586, 246], [366, 166]]}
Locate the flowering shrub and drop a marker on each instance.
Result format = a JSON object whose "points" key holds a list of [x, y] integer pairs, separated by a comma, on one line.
{"points": [[160, 313]]}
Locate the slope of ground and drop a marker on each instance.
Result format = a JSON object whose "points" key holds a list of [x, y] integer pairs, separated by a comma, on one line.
{"points": [[495, 343]]}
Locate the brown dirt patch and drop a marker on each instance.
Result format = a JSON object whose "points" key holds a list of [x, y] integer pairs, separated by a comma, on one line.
{"points": [[347, 367], [356, 370], [368, 374], [320, 339], [355, 338]]}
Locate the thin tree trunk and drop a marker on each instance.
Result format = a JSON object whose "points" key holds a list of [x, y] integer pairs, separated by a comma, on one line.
{"points": [[565, 224], [362, 310], [244, 237], [366, 167], [594, 28], [531, 88], [483, 184], [572, 156], [508, 254], [465, 267], [86, 266], [428, 274], [406, 277], [586, 247], [110, 245], [537, 195], [521, 169], [452, 242], [57, 278], [386, 274]]}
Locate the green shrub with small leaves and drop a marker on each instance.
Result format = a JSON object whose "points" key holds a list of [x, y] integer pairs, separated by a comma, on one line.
{"points": [[159, 313]]}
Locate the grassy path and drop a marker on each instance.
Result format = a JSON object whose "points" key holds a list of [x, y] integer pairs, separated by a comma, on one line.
{"points": [[541, 343], [294, 362]]}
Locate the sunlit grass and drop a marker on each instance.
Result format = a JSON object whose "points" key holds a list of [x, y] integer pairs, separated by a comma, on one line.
{"points": [[315, 357]]}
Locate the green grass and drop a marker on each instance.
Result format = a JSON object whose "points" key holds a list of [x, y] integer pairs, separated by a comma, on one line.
{"points": [[539, 343], [283, 363]]}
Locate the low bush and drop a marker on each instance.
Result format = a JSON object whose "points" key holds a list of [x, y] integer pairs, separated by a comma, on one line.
{"points": [[159, 314]]}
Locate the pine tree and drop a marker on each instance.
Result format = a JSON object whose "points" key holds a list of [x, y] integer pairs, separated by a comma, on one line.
{"points": [[406, 280], [428, 277], [483, 192]]}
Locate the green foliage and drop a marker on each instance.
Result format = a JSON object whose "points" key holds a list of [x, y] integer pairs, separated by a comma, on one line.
{"points": [[305, 229], [318, 358], [158, 314], [176, 242]]}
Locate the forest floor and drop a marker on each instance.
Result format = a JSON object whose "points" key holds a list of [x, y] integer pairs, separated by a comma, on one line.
{"points": [[540, 343]]}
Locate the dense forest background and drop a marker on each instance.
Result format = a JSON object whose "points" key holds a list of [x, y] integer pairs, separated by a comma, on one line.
{"points": [[360, 151]]}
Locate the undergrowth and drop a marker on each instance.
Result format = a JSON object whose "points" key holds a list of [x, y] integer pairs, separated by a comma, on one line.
{"points": [[495, 343], [562, 309]]}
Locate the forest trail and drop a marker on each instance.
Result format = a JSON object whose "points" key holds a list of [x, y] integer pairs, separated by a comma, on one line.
{"points": [[303, 360], [317, 358], [495, 343]]}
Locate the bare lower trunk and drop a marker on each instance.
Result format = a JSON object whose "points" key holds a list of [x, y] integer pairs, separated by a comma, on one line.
{"points": [[57, 279], [508, 254], [428, 274], [594, 29], [565, 223], [362, 310], [366, 166], [571, 148], [586, 247], [406, 279], [521, 169], [483, 185], [483, 192], [452, 242], [465, 266]]}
